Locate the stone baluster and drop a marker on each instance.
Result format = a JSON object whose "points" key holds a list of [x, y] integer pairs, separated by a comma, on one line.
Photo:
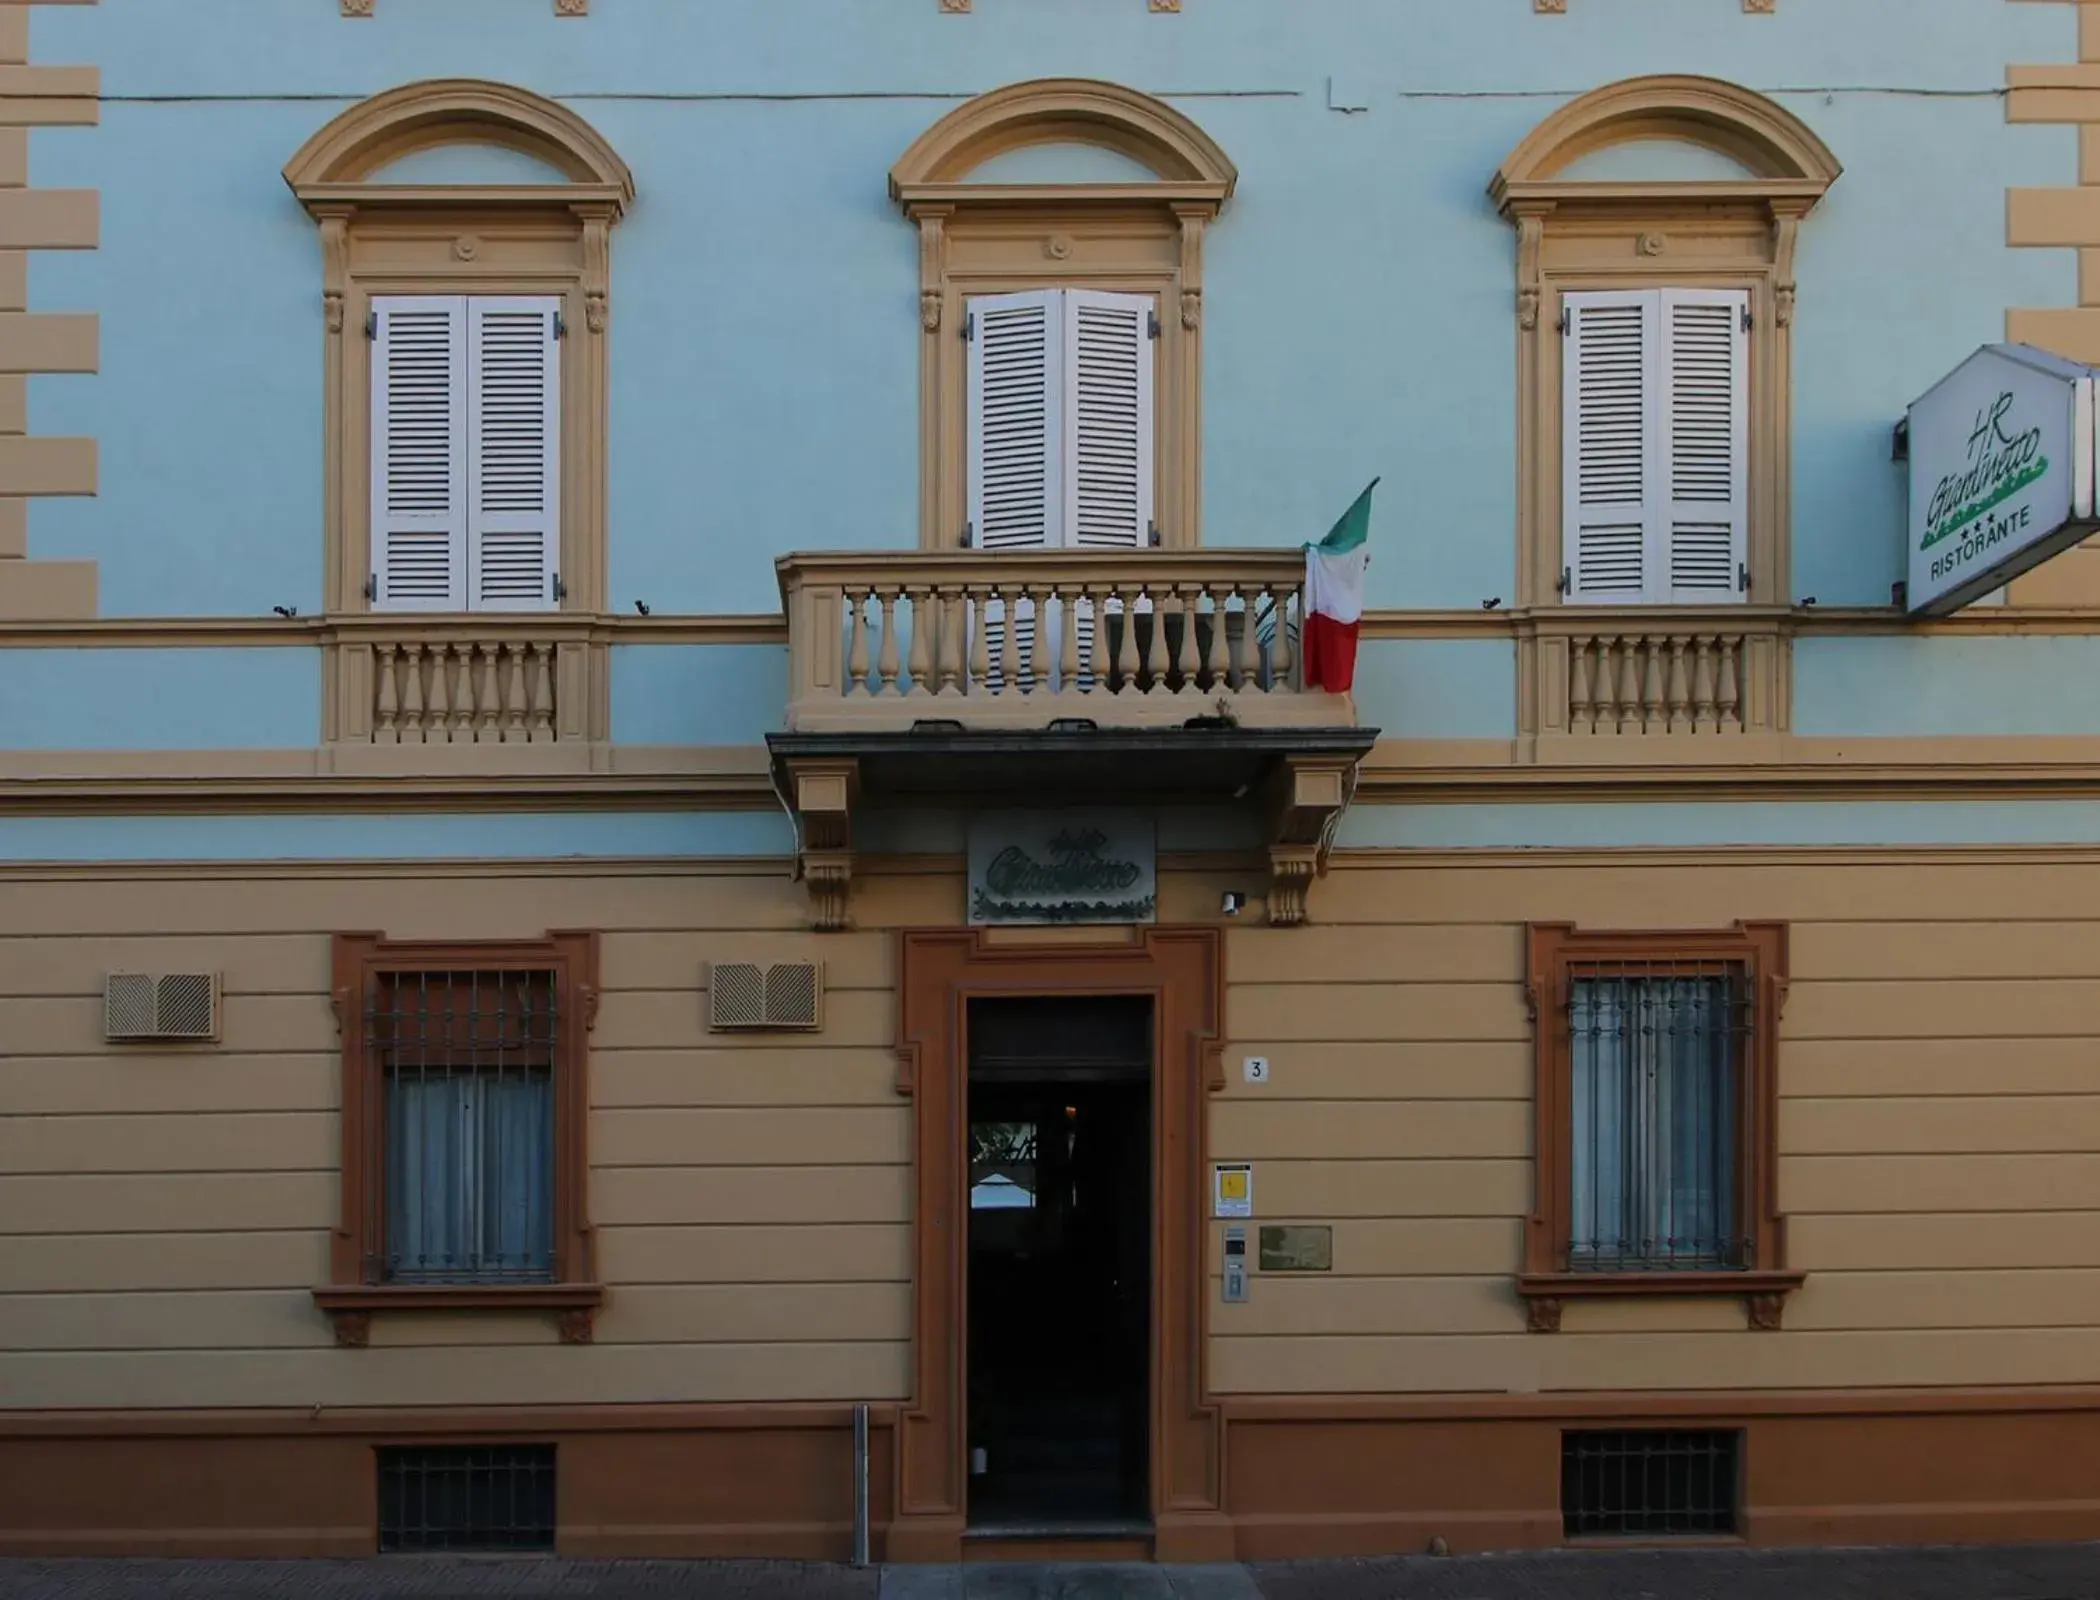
{"points": [[1156, 659], [1728, 704], [1280, 678], [438, 717], [464, 709], [542, 691], [857, 642], [1705, 714], [412, 730], [952, 607], [488, 701], [1094, 679], [513, 670], [1217, 663], [1246, 669], [886, 658], [1010, 640], [1035, 659], [925, 636], [1582, 713], [1188, 660], [1605, 686], [1680, 692], [389, 698], [1628, 652], [1650, 655], [1069, 605], [1126, 648], [980, 654]]}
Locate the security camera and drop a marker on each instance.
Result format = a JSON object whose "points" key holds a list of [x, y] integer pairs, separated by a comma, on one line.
{"points": [[1233, 903]]}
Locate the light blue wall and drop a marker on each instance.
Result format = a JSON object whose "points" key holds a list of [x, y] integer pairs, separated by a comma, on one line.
{"points": [[1694, 825], [764, 339], [1438, 688], [206, 699], [697, 693], [396, 836], [1947, 685]]}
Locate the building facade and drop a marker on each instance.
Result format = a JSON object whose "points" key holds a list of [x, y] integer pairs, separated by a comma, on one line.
{"points": [[658, 778]]}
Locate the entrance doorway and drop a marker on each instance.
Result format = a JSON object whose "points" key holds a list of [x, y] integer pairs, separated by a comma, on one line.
{"points": [[1060, 1260]]}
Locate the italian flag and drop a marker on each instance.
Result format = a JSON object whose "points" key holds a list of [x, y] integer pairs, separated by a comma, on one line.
{"points": [[1334, 598]]}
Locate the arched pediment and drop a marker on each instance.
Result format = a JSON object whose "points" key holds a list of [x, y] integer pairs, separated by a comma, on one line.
{"points": [[1065, 111], [1776, 150], [375, 133]]}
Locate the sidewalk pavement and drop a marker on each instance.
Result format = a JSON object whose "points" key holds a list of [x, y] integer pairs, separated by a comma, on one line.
{"points": [[2028, 1572]]}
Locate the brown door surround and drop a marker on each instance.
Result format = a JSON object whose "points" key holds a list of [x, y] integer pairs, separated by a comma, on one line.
{"points": [[1181, 970]]}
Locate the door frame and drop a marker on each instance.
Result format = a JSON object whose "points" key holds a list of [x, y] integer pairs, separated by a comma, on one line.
{"points": [[1181, 969]]}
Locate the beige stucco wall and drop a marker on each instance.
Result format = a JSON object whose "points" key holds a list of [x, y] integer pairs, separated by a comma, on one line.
{"points": [[1939, 1126], [165, 1210]]}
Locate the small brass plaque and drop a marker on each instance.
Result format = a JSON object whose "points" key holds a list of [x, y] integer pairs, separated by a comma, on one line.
{"points": [[1297, 1249]]}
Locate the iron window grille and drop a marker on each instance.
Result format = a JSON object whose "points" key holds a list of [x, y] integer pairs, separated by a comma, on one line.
{"points": [[1667, 1482], [1660, 1111], [466, 1497], [463, 1064]]}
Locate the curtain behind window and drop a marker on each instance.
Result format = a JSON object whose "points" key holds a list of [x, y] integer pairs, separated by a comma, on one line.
{"points": [[1653, 1063]]}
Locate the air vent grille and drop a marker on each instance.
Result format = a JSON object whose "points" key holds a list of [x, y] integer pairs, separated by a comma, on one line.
{"points": [[160, 1005], [746, 995]]}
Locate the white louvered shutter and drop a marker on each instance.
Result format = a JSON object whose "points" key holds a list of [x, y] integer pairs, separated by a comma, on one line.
{"points": [[1705, 390], [1108, 431], [1610, 440], [419, 453], [513, 452], [1017, 394], [1016, 389]]}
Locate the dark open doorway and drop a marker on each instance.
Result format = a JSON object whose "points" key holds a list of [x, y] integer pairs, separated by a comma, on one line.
{"points": [[1060, 1239]]}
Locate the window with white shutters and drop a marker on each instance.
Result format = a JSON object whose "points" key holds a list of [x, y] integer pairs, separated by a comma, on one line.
{"points": [[466, 453], [1108, 420], [1016, 440], [1655, 447], [1060, 437], [1060, 420]]}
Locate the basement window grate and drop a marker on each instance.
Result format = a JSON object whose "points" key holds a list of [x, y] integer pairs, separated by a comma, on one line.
{"points": [[461, 1497], [1623, 1484]]}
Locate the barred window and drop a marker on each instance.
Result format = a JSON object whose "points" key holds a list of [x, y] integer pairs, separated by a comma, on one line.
{"points": [[1656, 1091], [467, 1063], [465, 1110], [1656, 1084]]}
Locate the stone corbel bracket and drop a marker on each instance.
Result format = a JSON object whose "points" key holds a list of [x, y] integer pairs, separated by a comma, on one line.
{"points": [[1306, 795], [824, 794]]}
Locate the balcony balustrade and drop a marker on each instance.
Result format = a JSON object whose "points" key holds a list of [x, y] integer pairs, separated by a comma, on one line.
{"points": [[1018, 640], [490, 682], [1678, 679]]}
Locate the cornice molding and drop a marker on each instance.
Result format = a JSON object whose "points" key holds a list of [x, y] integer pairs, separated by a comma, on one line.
{"points": [[1082, 110], [367, 8], [1559, 8], [763, 627], [1788, 163], [375, 132], [607, 778]]}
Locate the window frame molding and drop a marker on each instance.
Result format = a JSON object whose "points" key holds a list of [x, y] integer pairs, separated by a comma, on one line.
{"points": [[1141, 238], [1575, 235], [382, 238], [1544, 1283], [573, 1295]]}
